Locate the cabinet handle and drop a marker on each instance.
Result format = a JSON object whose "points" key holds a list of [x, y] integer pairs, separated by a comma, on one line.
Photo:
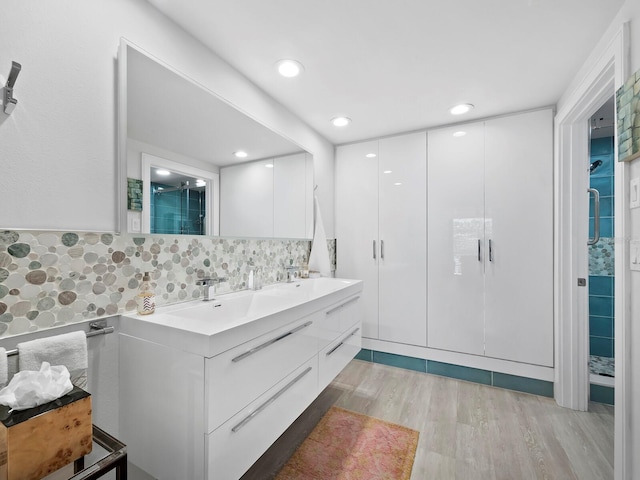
{"points": [[342, 342], [374, 249], [253, 414], [270, 342], [329, 312], [479, 259], [490, 250], [381, 249]]}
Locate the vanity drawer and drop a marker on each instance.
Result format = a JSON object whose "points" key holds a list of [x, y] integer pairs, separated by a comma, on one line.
{"points": [[338, 318], [238, 376], [239, 442], [334, 357]]}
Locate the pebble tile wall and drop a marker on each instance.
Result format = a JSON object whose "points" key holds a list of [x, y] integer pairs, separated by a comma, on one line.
{"points": [[49, 279]]}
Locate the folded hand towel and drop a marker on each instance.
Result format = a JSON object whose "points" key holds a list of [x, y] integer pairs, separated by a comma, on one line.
{"points": [[4, 368], [319, 256], [69, 349]]}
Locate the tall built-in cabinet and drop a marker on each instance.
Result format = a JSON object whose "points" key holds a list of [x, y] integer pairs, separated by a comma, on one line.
{"points": [[480, 283], [490, 197], [381, 231]]}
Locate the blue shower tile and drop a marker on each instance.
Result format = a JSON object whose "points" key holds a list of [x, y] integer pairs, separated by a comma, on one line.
{"points": [[601, 146], [601, 306], [523, 384], [600, 326], [606, 227], [606, 207], [601, 346], [602, 394], [400, 361], [604, 185], [601, 285], [461, 373], [365, 355], [605, 168]]}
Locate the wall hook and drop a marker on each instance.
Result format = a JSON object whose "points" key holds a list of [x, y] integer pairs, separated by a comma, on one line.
{"points": [[10, 102]]}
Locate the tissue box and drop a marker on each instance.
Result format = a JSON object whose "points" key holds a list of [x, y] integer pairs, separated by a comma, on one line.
{"points": [[40, 440]]}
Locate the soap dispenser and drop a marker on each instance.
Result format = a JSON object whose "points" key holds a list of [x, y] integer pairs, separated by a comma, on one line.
{"points": [[146, 298]]}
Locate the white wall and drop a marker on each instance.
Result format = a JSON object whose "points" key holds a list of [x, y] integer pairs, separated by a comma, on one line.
{"points": [[58, 164], [58, 150], [630, 12]]}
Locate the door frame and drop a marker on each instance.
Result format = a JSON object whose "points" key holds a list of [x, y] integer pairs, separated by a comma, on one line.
{"points": [[602, 76]]}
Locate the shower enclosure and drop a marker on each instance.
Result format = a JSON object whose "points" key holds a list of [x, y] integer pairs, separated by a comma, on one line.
{"points": [[178, 208], [601, 256]]}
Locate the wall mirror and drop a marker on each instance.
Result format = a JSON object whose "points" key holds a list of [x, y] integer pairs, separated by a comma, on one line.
{"points": [[180, 170]]}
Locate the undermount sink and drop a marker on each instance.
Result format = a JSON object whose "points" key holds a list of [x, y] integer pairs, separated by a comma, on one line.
{"points": [[234, 306]]}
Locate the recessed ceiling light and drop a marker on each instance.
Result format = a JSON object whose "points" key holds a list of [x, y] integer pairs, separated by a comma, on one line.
{"points": [[269, 165], [459, 134], [371, 155], [289, 68], [387, 171], [460, 109], [341, 121], [164, 173], [398, 184], [240, 154]]}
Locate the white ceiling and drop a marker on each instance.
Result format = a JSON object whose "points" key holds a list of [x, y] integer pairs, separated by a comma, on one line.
{"points": [[395, 66]]}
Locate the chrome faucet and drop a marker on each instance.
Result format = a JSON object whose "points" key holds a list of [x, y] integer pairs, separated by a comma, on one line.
{"points": [[293, 272], [209, 287], [255, 278]]}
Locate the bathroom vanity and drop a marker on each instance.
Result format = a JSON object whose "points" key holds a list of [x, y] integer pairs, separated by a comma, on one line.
{"points": [[207, 387]]}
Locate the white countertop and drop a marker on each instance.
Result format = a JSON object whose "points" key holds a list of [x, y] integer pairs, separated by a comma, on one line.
{"points": [[210, 328]]}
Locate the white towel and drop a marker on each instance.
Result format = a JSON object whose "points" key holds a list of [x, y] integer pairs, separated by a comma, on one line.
{"points": [[319, 256], [4, 367], [69, 349]]}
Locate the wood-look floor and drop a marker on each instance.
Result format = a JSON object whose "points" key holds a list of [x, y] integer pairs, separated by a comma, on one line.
{"points": [[467, 431]]}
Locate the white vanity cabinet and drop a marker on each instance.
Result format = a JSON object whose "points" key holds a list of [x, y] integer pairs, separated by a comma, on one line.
{"points": [[381, 229], [209, 410]]}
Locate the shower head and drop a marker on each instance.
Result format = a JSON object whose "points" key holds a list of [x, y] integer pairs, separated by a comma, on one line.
{"points": [[594, 165]]}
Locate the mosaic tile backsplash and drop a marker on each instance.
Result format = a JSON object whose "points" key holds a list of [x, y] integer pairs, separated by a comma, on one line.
{"points": [[49, 279]]}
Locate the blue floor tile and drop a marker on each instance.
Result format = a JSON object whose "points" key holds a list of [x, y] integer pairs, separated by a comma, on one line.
{"points": [[461, 373], [392, 360], [602, 394], [523, 384], [364, 354]]}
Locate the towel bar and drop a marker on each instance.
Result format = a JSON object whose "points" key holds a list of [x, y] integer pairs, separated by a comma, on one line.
{"points": [[97, 328]]}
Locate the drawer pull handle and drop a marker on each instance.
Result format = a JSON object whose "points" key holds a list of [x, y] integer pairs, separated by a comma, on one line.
{"points": [[253, 414], [342, 342], [335, 309], [270, 342]]}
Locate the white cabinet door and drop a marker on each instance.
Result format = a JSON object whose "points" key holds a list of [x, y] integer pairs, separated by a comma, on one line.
{"points": [[519, 212], [403, 238], [456, 239], [290, 196], [357, 224], [246, 199]]}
